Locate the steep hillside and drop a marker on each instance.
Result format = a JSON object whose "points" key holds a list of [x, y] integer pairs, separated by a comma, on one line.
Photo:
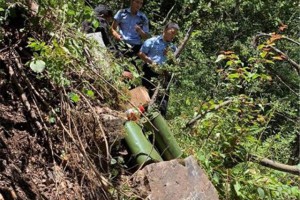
{"points": [[57, 128]]}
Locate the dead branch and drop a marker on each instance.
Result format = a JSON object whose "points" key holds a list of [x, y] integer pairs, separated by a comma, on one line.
{"points": [[24, 99], [293, 63], [275, 165], [270, 35], [154, 96], [99, 123], [168, 14], [167, 89], [293, 91], [192, 122], [22, 95], [283, 80], [185, 40], [104, 182]]}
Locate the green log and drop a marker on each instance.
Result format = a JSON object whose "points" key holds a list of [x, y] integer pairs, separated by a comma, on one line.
{"points": [[139, 146], [164, 139]]}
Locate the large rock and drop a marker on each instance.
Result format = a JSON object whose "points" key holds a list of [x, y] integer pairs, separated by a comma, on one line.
{"points": [[174, 180]]}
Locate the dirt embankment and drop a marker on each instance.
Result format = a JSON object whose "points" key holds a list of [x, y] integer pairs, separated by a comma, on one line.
{"points": [[50, 148]]}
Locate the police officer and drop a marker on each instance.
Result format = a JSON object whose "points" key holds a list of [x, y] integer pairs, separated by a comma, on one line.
{"points": [[133, 27], [154, 53]]}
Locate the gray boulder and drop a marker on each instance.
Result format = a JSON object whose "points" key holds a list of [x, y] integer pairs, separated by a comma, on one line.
{"points": [[176, 179]]}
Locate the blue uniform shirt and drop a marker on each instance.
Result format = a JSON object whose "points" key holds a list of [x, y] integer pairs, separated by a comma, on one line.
{"points": [[127, 23], [156, 49]]}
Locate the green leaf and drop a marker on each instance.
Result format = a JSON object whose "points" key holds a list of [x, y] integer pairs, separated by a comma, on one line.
{"points": [[74, 97], [52, 120], [237, 188], [253, 75], [66, 50], [261, 46], [90, 93], [201, 157], [95, 23], [295, 191], [71, 12], [135, 74], [113, 161], [261, 107], [216, 178], [261, 192], [38, 66], [220, 57], [263, 54], [269, 61], [188, 102], [233, 76]]}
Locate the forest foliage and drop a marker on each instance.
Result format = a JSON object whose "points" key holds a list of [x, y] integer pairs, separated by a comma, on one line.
{"points": [[235, 94]]}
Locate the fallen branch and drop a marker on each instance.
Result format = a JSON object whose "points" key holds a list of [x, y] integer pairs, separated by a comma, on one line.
{"points": [[292, 169], [22, 95]]}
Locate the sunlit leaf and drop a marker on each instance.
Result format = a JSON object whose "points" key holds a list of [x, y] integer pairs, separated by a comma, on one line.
{"points": [[228, 52], [229, 63], [233, 76], [261, 192], [259, 47], [237, 188], [261, 119], [90, 93], [38, 66], [71, 12], [263, 54], [269, 61], [74, 97], [216, 178], [66, 50], [278, 58], [220, 57]]}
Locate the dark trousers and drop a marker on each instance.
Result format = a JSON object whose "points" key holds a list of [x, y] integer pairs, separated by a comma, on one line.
{"points": [[162, 99], [129, 51], [124, 50]]}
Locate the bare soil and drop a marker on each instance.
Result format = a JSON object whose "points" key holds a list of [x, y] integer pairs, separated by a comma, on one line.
{"points": [[68, 158]]}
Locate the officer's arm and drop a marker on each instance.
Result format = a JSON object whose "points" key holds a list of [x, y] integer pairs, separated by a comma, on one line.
{"points": [[114, 31], [145, 58], [141, 32], [143, 28]]}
